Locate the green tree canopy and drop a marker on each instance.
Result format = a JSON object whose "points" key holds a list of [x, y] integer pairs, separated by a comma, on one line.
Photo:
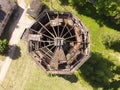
{"points": [[105, 8]]}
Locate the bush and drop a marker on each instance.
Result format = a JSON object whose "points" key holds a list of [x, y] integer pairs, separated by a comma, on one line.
{"points": [[3, 46], [112, 41]]}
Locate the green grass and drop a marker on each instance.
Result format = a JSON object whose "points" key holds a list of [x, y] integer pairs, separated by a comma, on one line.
{"points": [[24, 74]]}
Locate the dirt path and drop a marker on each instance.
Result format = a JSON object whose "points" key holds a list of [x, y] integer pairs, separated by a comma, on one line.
{"points": [[17, 30]]}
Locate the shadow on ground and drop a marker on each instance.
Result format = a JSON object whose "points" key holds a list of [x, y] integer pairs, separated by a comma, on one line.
{"points": [[14, 52], [101, 73], [98, 72], [71, 78], [114, 46]]}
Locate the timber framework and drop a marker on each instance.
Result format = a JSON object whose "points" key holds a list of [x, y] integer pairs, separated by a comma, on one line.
{"points": [[58, 42]]}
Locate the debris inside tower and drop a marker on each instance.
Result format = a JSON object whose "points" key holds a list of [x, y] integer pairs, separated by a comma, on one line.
{"points": [[58, 42]]}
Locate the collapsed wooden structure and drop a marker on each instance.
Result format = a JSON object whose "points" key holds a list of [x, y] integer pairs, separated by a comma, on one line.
{"points": [[58, 42], [6, 9]]}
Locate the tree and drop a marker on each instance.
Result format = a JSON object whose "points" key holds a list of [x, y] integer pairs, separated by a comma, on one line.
{"points": [[3, 46], [108, 9]]}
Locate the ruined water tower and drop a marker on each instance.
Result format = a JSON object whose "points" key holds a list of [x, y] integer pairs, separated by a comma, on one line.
{"points": [[58, 42]]}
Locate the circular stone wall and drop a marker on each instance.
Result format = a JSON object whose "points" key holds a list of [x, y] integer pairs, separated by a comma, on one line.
{"points": [[59, 42]]}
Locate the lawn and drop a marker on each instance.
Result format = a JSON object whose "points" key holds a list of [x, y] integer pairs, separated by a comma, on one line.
{"points": [[102, 71], [24, 74]]}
